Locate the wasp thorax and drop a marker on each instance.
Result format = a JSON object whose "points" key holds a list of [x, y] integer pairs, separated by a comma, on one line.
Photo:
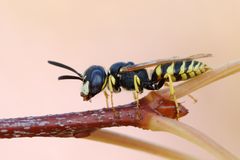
{"points": [[94, 82]]}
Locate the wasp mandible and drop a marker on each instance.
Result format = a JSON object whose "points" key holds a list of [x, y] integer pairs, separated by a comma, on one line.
{"points": [[134, 77]]}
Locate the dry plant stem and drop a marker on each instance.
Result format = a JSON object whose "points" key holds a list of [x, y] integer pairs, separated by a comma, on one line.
{"points": [[137, 144], [159, 123], [81, 124], [205, 79]]}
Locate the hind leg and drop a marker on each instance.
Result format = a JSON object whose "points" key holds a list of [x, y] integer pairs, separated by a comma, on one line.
{"points": [[189, 95], [172, 94]]}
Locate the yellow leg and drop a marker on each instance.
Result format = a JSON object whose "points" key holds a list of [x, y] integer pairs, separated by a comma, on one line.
{"points": [[172, 94], [112, 106], [190, 96], [111, 81], [111, 98], [135, 94], [106, 96], [166, 84]]}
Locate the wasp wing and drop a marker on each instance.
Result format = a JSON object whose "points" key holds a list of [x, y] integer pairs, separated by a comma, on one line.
{"points": [[161, 61]]}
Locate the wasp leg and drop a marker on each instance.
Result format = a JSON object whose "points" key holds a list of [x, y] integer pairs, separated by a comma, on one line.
{"points": [[135, 95], [112, 106], [106, 96], [189, 95], [172, 93], [166, 84], [136, 92], [111, 98], [111, 81]]}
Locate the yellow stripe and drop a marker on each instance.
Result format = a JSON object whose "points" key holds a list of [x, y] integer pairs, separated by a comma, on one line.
{"points": [[159, 70], [190, 67], [202, 68], [184, 76], [105, 82], [198, 72], [173, 78], [191, 74], [182, 68], [197, 69], [113, 80], [170, 69]]}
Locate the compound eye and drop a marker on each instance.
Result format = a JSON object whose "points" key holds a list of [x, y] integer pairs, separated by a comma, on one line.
{"points": [[97, 81]]}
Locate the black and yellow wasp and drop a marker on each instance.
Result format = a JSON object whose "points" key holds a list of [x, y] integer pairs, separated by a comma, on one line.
{"points": [[135, 77]]}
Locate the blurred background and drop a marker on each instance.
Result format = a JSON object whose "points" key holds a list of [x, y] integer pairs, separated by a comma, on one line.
{"points": [[82, 33]]}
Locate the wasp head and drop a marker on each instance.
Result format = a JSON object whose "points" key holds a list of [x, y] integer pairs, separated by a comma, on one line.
{"points": [[94, 81]]}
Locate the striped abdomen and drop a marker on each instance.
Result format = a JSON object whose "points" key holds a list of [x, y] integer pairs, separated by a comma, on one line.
{"points": [[182, 70]]}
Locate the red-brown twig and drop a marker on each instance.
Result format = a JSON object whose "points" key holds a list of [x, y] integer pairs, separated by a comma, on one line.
{"points": [[81, 124]]}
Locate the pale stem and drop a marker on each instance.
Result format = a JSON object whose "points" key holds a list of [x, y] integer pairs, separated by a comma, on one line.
{"points": [[137, 144], [159, 123]]}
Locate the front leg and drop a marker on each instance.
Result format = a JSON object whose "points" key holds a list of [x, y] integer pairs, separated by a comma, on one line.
{"points": [[106, 96], [111, 83]]}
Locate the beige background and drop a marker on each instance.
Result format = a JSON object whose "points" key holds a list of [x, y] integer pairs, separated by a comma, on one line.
{"points": [[80, 33]]}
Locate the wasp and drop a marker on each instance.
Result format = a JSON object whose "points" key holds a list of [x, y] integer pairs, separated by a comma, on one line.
{"points": [[135, 77]]}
